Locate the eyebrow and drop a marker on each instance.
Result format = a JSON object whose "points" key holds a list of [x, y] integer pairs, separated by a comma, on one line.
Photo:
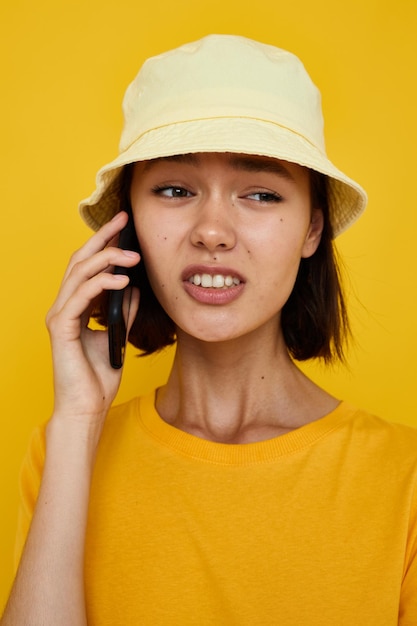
{"points": [[242, 162], [249, 163], [189, 158]]}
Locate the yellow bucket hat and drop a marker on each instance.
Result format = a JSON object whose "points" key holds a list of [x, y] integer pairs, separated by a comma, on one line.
{"points": [[224, 93]]}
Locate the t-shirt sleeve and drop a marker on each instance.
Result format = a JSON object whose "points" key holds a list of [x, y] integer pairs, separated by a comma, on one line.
{"points": [[408, 603], [30, 479]]}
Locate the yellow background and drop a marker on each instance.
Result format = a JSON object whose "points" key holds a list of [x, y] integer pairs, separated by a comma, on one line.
{"points": [[65, 66]]}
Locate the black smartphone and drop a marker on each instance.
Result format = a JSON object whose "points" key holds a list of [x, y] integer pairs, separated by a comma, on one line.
{"points": [[116, 324]]}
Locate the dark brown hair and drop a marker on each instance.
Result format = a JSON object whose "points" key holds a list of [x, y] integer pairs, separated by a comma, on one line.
{"points": [[314, 319]]}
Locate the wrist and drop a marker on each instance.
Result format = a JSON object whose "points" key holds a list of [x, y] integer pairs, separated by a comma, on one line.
{"points": [[72, 437]]}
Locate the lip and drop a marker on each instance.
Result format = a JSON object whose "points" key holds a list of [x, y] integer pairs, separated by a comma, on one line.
{"points": [[210, 269], [212, 295]]}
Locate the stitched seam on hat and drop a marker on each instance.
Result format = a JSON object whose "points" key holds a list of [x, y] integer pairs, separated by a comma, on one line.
{"points": [[226, 117]]}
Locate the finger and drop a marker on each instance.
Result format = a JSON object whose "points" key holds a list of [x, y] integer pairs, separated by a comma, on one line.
{"points": [[66, 322], [102, 238], [101, 262]]}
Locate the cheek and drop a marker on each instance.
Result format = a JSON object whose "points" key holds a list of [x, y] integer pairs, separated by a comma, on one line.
{"points": [[157, 254], [156, 231], [280, 244], [152, 237], [280, 256]]}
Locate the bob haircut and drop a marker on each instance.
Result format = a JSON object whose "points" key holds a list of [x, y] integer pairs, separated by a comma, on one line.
{"points": [[314, 319]]}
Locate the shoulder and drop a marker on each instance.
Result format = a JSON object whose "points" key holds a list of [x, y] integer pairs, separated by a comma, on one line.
{"points": [[123, 425], [377, 424], [123, 411], [121, 417], [379, 436]]}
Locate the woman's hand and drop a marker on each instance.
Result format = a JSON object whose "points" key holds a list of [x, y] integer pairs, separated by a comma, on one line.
{"points": [[49, 585], [85, 383]]}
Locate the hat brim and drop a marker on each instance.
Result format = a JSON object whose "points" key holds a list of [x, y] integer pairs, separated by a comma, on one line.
{"points": [[347, 199]]}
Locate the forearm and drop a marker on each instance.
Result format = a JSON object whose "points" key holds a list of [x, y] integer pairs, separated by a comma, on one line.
{"points": [[49, 586]]}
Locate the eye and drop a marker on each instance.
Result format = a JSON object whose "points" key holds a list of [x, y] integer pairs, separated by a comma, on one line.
{"points": [[265, 196], [172, 192]]}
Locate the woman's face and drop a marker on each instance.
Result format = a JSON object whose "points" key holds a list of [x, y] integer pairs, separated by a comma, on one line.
{"points": [[222, 236]]}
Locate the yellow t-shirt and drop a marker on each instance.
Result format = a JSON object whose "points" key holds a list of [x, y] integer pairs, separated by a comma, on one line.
{"points": [[315, 527]]}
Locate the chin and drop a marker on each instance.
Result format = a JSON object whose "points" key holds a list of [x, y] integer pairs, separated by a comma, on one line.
{"points": [[207, 334]]}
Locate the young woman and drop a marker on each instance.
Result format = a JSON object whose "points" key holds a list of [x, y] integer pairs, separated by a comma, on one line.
{"points": [[239, 492]]}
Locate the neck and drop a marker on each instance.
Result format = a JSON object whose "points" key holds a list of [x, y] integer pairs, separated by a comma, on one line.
{"points": [[238, 392]]}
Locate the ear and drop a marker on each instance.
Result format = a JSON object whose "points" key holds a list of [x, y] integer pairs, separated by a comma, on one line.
{"points": [[313, 237]]}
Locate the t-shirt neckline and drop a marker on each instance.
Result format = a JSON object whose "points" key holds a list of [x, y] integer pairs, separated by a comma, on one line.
{"points": [[237, 454]]}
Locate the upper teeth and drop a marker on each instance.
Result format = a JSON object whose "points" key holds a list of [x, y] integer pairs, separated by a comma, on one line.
{"points": [[218, 280]]}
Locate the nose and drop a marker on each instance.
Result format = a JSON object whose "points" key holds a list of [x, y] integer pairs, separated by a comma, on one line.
{"points": [[214, 228]]}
